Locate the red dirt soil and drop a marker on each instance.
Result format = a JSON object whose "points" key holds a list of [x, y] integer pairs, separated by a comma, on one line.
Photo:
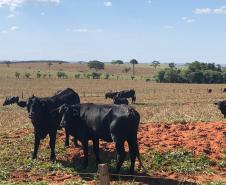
{"points": [[199, 138]]}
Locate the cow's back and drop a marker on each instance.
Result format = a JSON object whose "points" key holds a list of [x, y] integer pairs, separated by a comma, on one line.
{"points": [[102, 120]]}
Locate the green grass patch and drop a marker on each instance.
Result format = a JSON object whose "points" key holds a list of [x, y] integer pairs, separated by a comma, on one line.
{"points": [[179, 161], [216, 183]]}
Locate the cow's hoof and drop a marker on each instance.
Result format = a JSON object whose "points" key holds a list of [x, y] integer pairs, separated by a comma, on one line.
{"points": [[52, 159], [33, 157]]}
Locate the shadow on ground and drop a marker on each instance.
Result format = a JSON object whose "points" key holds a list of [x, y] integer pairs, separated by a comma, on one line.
{"points": [[108, 158]]}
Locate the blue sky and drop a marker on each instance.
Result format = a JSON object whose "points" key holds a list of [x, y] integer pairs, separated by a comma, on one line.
{"points": [[74, 30]]}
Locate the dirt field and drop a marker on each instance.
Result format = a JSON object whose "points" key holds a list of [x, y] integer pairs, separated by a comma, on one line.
{"points": [[182, 135]]}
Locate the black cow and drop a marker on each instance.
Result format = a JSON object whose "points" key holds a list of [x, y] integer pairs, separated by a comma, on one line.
{"points": [[46, 118], [11, 100], [110, 95], [224, 89], [127, 94], [118, 123], [15, 99], [119, 101], [222, 107]]}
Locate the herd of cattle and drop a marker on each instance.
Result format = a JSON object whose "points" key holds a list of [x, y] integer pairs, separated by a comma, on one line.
{"points": [[87, 121], [84, 121]]}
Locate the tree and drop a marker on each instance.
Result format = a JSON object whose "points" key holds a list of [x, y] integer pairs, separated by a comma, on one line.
{"points": [[117, 62], [133, 62], [155, 64], [8, 63], [97, 65], [50, 64], [172, 65]]}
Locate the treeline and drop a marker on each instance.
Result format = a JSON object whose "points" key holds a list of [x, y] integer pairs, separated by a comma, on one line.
{"points": [[195, 72], [33, 61]]}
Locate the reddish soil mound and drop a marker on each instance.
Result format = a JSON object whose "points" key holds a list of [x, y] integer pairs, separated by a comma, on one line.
{"points": [[199, 138]]}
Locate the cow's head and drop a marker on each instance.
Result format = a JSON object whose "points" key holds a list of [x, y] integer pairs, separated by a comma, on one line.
{"points": [[70, 113], [222, 107], [35, 107], [11, 100]]}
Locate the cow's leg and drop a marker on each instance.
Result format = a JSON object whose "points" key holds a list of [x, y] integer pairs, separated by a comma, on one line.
{"points": [[36, 146], [66, 139], [133, 147], [52, 143], [96, 150], [85, 151], [120, 154]]}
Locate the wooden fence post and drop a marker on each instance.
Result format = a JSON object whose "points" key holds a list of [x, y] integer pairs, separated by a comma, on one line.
{"points": [[104, 174]]}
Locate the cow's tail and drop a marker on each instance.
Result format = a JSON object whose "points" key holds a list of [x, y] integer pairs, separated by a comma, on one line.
{"points": [[135, 118], [139, 160]]}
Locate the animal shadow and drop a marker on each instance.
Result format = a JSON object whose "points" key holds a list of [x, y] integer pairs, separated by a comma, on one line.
{"points": [[109, 157]]}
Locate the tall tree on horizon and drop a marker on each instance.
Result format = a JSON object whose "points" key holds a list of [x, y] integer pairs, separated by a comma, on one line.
{"points": [[133, 62]]}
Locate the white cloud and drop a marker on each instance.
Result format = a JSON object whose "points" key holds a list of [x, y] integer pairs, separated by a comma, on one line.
{"points": [[221, 10], [203, 10], [80, 30], [84, 30], [13, 4], [13, 28], [11, 15], [188, 20], [108, 3]]}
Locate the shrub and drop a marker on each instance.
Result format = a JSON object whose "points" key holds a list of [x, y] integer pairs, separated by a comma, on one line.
{"points": [[27, 75], [95, 75], [77, 75], [61, 74], [106, 76], [17, 74], [38, 74], [126, 69]]}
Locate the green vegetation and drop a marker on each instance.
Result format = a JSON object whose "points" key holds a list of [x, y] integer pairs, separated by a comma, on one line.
{"points": [[27, 74], [95, 64], [177, 161], [117, 62], [133, 62], [155, 64], [17, 74], [196, 72], [62, 74]]}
